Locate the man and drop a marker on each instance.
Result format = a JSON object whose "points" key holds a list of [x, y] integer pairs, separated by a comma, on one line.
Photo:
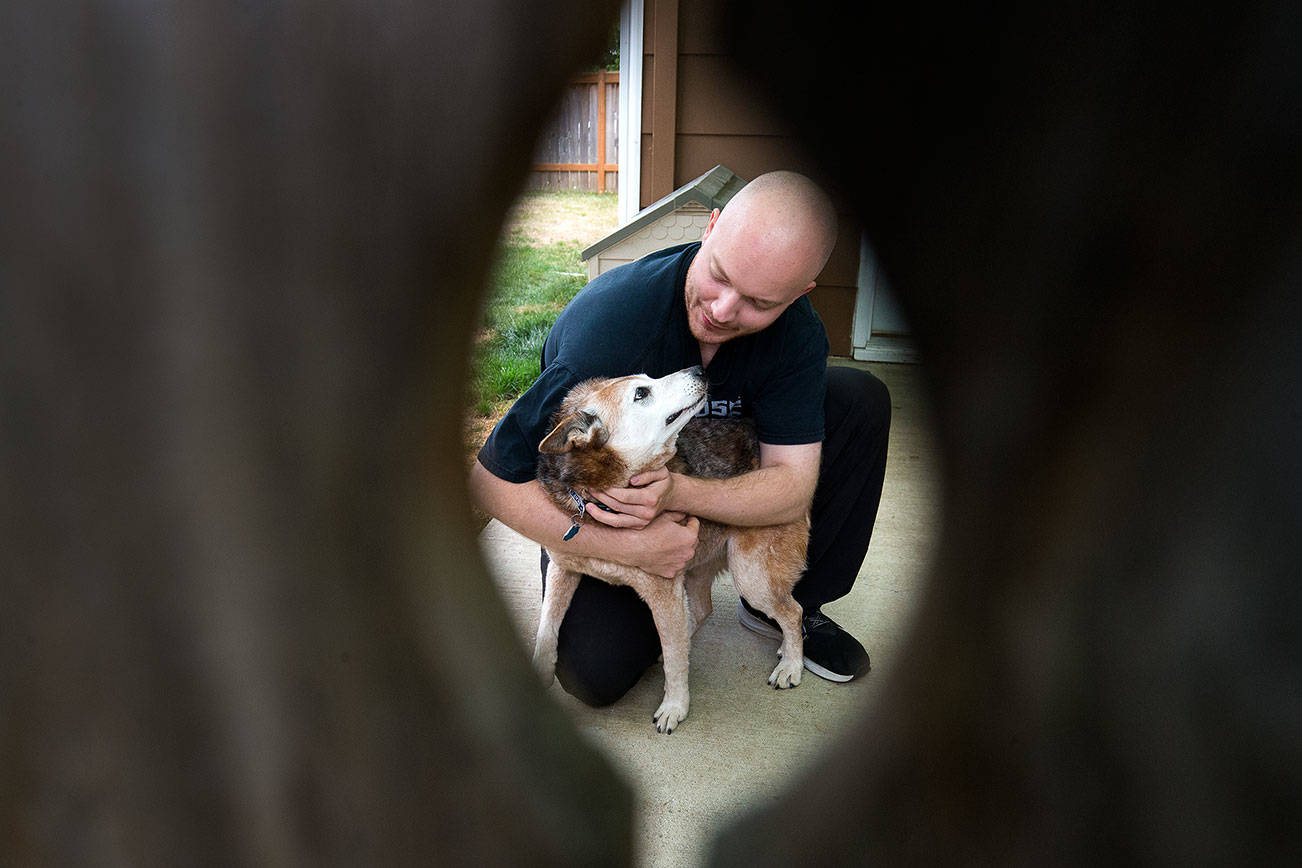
{"points": [[734, 303]]}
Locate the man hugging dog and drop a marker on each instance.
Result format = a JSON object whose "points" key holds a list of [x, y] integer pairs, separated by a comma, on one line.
{"points": [[735, 304]]}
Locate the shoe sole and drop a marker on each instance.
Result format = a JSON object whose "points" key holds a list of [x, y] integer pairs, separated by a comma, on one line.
{"points": [[755, 625]]}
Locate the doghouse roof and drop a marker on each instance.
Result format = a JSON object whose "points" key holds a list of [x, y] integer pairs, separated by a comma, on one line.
{"points": [[712, 190]]}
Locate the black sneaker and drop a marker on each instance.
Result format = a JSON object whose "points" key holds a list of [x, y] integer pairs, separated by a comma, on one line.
{"points": [[830, 652]]}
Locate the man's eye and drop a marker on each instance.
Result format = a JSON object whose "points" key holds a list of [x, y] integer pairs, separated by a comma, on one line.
{"points": [[640, 392]]}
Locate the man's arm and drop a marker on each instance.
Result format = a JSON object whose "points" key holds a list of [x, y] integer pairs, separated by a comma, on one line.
{"points": [[780, 491], [662, 547]]}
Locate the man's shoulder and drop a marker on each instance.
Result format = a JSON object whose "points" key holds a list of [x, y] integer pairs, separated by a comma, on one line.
{"points": [[801, 315], [638, 292], [799, 327]]}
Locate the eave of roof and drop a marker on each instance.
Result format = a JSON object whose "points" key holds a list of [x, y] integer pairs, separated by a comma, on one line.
{"points": [[712, 190]]}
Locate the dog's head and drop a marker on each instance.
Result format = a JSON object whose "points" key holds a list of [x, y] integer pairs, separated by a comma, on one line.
{"points": [[636, 417]]}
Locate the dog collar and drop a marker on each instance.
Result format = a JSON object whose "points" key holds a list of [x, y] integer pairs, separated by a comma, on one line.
{"points": [[576, 520]]}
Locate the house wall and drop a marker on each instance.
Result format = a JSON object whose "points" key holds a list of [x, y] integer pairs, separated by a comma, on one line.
{"points": [[698, 114]]}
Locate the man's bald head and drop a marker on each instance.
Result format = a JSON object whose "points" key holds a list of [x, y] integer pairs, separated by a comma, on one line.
{"points": [[785, 219], [757, 257]]}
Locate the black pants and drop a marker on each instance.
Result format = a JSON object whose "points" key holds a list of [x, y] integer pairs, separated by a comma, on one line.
{"points": [[608, 638]]}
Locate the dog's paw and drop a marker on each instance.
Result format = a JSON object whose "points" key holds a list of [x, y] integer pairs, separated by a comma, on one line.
{"points": [[669, 715], [787, 674]]}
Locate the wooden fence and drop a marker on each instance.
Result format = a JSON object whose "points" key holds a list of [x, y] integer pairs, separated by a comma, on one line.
{"points": [[579, 149]]}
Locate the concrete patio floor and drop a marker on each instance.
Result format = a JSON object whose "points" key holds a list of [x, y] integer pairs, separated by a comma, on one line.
{"points": [[744, 742]]}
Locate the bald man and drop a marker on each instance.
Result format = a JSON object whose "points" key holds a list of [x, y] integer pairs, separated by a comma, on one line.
{"points": [[735, 303]]}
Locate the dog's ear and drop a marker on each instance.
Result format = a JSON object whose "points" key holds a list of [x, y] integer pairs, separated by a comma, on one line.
{"points": [[576, 431]]}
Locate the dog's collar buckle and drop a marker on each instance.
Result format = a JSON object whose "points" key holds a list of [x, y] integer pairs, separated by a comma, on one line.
{"points": [[576, 520]]}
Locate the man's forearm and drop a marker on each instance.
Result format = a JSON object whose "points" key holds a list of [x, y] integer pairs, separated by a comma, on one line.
{"points": [[769, 495], [779, 492]]}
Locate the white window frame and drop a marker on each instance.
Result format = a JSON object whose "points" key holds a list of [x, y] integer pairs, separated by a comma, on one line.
{"points": [[632, 14]]}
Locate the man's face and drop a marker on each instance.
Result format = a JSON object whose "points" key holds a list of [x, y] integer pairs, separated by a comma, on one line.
{"points": [[733, 290]]}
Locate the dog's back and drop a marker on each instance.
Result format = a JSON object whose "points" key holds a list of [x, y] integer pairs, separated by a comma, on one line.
{"points": [[716, 447]]}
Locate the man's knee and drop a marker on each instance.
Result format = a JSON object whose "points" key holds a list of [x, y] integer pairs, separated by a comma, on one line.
{"points": [[606, 641], [598, 674], [857, 399], [593, 685]]}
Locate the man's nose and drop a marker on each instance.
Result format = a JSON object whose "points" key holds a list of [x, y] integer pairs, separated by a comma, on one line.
{"points": [[724, 306]]}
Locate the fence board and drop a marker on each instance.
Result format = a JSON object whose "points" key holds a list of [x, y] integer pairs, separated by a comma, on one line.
{"points": [[579, 147]]}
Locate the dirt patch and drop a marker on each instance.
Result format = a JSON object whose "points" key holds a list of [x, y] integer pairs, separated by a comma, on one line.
{"points": [[542, 219]]}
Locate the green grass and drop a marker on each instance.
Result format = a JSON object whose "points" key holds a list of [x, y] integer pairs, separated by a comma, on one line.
{"points": [[529, 288]]}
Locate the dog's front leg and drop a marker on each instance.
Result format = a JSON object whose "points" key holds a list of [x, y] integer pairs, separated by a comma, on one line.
{"points": [[668, 603], [556, 600]]}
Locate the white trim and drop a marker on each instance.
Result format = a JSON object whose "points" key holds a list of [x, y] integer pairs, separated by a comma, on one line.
{"points": [[861, 329], [888, 348], [864, 345], [632, 14]]}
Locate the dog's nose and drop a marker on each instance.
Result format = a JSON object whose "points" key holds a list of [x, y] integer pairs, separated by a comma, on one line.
{"points": [[695, 371]]}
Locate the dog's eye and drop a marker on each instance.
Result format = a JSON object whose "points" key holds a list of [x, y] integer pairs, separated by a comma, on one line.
{"points": [[640, 392]]}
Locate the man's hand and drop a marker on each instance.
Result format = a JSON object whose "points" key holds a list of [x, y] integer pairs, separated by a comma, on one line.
{"points": [[636, 506], [665, 546]]}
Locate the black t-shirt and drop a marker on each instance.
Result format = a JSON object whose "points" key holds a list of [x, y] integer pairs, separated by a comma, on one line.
{"points": [[633, 320]]}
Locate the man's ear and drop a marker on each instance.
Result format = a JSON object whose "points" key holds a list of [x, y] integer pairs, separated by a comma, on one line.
{"points": [[575, 431], [812, 284], [709, 225]]}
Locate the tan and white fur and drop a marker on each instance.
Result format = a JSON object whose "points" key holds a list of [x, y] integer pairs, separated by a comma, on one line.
{"points": [[608, 431]]}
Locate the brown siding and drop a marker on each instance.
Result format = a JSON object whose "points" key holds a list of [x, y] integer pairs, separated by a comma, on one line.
{"points": [[714, 101], [748, 156], [835, 307], [834, 296], [701, 25], [842, 267]]}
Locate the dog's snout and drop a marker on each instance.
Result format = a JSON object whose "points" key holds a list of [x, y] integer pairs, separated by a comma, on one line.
{"points": [[696, 372]]}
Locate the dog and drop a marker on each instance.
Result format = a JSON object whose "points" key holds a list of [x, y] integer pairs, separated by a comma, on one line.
{"points": [[608, 431]]}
